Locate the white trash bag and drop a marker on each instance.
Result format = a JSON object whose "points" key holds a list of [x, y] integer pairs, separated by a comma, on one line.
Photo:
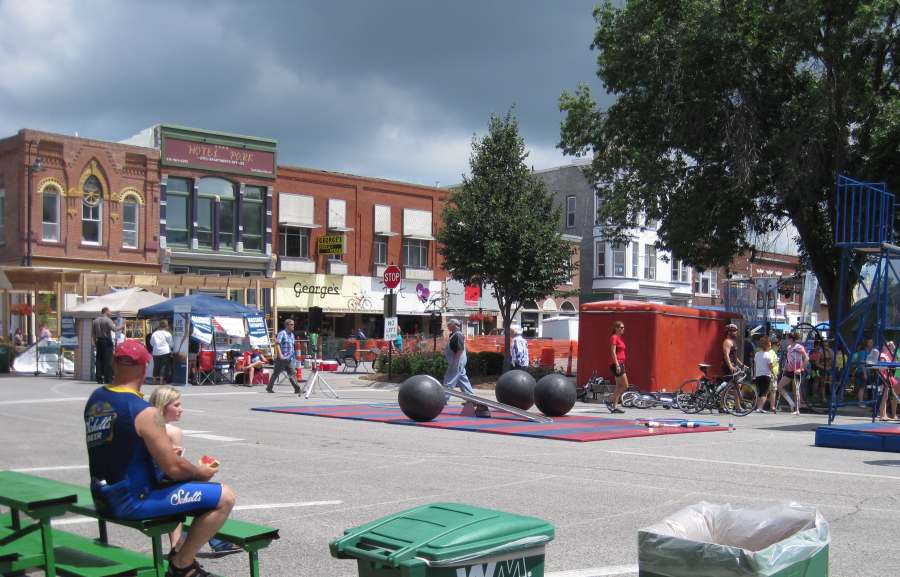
{"points": [[710, 540]]}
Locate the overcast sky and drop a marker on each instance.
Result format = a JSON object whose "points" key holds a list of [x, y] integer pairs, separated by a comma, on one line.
{"points": [[384, 88]]}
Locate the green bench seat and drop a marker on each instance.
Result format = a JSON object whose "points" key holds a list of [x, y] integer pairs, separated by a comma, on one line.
{"points": [[250, 536], [75, 556]]}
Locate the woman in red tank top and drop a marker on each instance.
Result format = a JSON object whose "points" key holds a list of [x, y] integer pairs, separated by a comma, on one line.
{"points": [[617, 355]]}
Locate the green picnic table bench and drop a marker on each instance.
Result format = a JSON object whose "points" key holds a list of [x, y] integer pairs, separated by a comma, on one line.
{"points": [[250, 536]]}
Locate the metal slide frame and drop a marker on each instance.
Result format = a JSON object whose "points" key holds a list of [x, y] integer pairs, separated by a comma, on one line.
{"points": [[494, 404]]}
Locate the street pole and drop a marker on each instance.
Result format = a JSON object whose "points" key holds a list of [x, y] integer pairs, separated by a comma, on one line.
{"points": [[390, 342], [30, 169]]}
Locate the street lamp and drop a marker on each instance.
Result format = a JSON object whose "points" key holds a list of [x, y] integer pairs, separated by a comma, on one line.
{"points": [[36, 166]]}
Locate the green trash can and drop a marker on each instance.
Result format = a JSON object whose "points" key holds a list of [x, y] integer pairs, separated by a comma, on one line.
{"points": [[5, 358], [447, 540]]}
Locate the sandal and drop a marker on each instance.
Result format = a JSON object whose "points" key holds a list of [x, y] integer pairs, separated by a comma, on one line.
{"points": [[192, 570]]}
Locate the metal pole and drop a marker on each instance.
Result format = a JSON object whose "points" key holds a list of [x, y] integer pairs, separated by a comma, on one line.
{"points": [[390, 342], [30, 172]]}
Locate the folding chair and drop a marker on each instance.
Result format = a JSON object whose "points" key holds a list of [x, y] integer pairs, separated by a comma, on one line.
{"points": [[348, 357], [205, 371]]}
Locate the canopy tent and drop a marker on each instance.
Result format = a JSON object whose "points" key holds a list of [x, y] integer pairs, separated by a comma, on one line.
{"points": [[200, 304], [125, 302]]}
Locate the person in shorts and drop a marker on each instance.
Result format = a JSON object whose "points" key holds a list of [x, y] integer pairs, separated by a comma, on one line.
{"points": [[617, 356], [795, 362], [764, 368], [136, 473], [161, 344]]}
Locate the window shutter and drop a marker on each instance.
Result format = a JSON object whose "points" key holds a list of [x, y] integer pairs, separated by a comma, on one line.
{"points": [[382, 219], [296, 210], [337, 213], [417, 224]]}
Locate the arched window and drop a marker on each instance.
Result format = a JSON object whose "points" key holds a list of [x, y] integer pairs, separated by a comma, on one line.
{"points": [[567, 308], [130, 214], [92, 211], [50, 214], [530, 305]]}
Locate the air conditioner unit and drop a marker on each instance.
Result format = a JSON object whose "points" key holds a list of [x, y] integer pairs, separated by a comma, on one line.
{"points": [[714, 293]]}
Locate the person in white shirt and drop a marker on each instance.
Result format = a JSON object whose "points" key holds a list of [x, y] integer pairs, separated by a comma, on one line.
{"points": [[161, 345], [518, 357], [764, 361]]}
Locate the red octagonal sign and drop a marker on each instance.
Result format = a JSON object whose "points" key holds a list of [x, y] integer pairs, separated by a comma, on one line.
{"points": [[392, 277]]}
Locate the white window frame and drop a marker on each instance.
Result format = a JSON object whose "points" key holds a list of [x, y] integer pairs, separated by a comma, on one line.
{"points": [[98, 220], [3, 215], [649, 262], [571, 204], [709, 278], [283, 232], [619, 249], [600, 259], [423, 249], [56, 225], [680, 272], [128, 202], [635, 260], [380, 241]]}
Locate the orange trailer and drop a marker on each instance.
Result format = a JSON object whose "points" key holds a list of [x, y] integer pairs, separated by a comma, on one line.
{"points": [[664, 343]]}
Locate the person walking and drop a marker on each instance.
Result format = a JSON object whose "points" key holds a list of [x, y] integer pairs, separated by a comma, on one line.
{"points": [[518, 354], [44, 332], [795, 362], [617, 355], [167, 401], [888, 383], [764, 362], [284, 358], [103, 330], [455, 376], [161, 344], [128, 449]]}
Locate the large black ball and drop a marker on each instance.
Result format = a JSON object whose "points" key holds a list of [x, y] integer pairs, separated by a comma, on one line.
{"points": [[421, 398], [516, 388], [554, 395]]}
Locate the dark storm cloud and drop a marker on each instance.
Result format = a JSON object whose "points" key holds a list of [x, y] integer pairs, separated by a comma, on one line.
{"points": [[389, 89]]}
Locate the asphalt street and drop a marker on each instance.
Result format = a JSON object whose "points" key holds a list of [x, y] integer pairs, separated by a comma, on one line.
{"points": [[314, 477]]}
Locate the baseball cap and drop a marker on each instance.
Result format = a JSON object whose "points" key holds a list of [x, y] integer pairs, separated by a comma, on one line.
{"points": [[132, 352]]}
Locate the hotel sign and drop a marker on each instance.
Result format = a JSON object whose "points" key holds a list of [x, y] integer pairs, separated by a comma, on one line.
{"points": [[330, 244], [219, 157]]}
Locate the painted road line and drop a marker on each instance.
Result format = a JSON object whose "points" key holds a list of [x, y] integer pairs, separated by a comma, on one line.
{"points": [[37, 401], [60, 468], [286, 505], [597, 571], [757, 465], [213, 437]]}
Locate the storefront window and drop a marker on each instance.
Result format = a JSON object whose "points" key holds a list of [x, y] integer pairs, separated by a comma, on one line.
{"points": [[177, 213], [252, 209], [415, 253], [293, 242], [91, 211]]}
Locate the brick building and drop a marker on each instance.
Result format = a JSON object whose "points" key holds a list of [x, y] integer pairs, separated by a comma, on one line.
{"points": [[95, 204], [335, 234]]}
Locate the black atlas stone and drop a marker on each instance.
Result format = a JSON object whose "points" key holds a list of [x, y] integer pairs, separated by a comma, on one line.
{"points": [[516, 388], [421, 398], [554, 395]]}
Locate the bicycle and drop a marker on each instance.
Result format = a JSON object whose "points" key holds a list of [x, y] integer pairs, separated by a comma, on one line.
{"points": [[359, 302], [601, 390], [728, 394]]}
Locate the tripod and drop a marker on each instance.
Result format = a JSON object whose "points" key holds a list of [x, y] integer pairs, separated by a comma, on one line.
{"points": [[317, 378]]}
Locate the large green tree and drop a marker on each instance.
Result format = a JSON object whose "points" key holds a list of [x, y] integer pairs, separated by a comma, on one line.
{"points": [[501, 227], [731, 116]]}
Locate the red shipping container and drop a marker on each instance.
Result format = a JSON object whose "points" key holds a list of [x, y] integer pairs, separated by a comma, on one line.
{"points": [[664, 343]]}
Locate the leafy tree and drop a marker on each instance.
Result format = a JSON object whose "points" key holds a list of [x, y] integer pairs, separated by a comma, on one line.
{"points": [[733, 115], [501, 227]]}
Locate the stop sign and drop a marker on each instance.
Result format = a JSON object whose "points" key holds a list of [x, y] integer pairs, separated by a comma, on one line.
{"points": [[392, 277]]}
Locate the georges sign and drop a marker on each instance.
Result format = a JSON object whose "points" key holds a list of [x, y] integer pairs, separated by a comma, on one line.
{"points": [[187, 153], [322, 290]]}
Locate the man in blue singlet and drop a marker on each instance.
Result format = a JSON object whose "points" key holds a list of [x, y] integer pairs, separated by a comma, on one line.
{"points": [[135, 471]]}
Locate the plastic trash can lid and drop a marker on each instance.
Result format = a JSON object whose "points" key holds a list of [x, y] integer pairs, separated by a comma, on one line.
{"points": [[442, 534]]}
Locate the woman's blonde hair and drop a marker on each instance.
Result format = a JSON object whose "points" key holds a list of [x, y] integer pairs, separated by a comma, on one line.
{"points": [[163, 396]]}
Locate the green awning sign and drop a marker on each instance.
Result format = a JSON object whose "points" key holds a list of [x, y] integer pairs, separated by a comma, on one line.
{"points": [[331, 244]]}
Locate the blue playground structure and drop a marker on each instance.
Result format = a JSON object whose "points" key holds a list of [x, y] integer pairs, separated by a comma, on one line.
{"points": [[864, 233]]}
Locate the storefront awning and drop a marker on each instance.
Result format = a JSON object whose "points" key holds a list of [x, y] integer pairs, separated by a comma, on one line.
{"points": [[419, 236]]}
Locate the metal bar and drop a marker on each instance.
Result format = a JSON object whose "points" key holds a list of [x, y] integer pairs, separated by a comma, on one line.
{"points": [[495, 404], [49, 554], [158, 557], [254, 563]]}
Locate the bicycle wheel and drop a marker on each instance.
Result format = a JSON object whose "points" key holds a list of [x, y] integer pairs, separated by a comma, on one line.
{"points": [[629, 396], [739, 399], [690, 399]]}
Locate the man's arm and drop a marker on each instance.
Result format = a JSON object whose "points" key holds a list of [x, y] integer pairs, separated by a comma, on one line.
{"points": [[151, 427]]}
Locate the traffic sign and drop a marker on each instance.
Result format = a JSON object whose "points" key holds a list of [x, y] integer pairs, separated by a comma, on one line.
{"points": [[392, 277], [390, 328]]}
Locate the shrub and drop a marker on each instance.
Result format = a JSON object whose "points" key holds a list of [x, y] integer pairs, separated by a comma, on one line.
{"points": [[433, 364]]}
